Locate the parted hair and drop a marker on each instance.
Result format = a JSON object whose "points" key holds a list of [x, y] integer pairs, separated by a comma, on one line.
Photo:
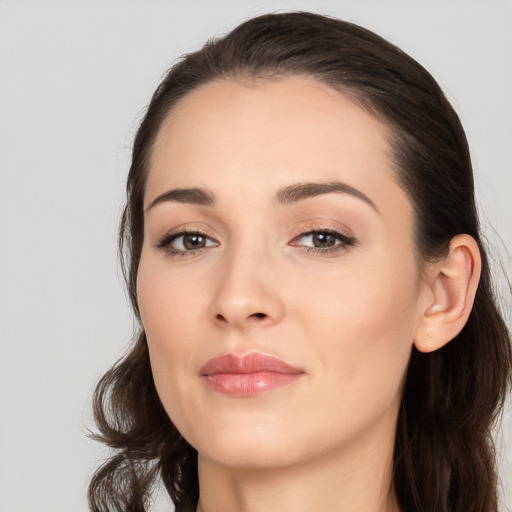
{"points": [[444, 459]]}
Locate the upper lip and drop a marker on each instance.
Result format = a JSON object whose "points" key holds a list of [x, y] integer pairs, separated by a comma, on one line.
{"points": [[248, 363]]}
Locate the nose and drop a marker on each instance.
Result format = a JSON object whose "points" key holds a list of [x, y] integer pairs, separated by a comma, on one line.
{"points": [[247, 291]]}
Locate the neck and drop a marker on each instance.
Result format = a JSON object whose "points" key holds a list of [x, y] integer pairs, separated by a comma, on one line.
{"points": [[354, 480]]}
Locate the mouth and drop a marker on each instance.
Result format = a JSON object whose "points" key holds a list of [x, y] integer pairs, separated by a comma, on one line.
{"points": [[248, 375]]}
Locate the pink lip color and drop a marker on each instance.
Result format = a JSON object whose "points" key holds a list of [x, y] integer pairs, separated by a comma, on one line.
{"points": [[247, 375]]}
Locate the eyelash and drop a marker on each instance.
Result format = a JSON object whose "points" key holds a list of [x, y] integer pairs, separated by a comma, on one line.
{"points": [[344, 241], [165, 243]]}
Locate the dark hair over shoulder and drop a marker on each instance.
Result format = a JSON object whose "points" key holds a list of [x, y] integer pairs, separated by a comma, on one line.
{"points": [[444, 459]]}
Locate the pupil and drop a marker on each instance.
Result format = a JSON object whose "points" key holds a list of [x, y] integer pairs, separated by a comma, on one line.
{"points": [[323, 240], [193, 241]]}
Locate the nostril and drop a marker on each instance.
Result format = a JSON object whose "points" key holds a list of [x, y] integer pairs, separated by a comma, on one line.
{"points": [[259, 315]]}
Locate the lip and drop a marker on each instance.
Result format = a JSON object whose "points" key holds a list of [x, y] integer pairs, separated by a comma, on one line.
{"points": [[247, 375]]}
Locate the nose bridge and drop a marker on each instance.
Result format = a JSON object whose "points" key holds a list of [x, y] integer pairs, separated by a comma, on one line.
{"points": [[247, 291]]}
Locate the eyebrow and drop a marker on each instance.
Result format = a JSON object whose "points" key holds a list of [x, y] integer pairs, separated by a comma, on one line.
{"points": [[301, 191], [287, 195], [198, 196]]}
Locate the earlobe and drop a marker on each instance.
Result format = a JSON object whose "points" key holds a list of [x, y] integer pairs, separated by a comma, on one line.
{"points": [[452, 287]]}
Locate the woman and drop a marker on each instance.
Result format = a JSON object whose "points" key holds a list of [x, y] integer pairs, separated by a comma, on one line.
{"points": [[317, 324]]}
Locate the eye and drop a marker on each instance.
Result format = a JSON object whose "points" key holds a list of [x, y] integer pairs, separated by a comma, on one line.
{"points": [[323, 241], [185, 242]]}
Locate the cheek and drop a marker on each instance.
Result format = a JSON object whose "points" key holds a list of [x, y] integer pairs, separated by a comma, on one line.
{"points": [[364, 323], [374, 300], [168, 310], [162, 300]]}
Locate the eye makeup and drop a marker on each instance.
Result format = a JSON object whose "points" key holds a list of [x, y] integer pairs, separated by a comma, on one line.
{"points": [[323, 241], [312, 241]]}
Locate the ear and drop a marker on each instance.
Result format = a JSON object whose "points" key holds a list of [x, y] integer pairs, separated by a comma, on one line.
{"points": [[451, 288]]}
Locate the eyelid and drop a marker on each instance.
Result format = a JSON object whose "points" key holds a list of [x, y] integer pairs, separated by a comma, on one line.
{"points": [[345, 240], [319, 226], [187, 228]]}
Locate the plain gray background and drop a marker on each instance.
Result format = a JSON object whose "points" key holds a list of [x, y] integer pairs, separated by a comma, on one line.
{"points": [[74, 78]]}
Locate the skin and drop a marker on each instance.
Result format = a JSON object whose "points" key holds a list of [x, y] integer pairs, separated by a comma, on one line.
{"points": [[348, 318]]}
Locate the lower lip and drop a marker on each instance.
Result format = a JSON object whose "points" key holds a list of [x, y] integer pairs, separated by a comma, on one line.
{"points": [[249, 384]]}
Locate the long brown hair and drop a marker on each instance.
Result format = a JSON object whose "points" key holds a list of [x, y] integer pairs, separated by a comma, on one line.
{"points": [[444, 459]]}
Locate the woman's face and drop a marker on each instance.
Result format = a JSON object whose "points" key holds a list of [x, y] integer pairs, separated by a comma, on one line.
{"points": [[274, 226]]}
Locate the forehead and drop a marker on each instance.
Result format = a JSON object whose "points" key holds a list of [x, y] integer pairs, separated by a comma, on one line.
{"points": [[246, 139]]}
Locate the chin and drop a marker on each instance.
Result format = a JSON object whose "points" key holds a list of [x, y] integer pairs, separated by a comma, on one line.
{"points": [[246, 443], [248, 453]]}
